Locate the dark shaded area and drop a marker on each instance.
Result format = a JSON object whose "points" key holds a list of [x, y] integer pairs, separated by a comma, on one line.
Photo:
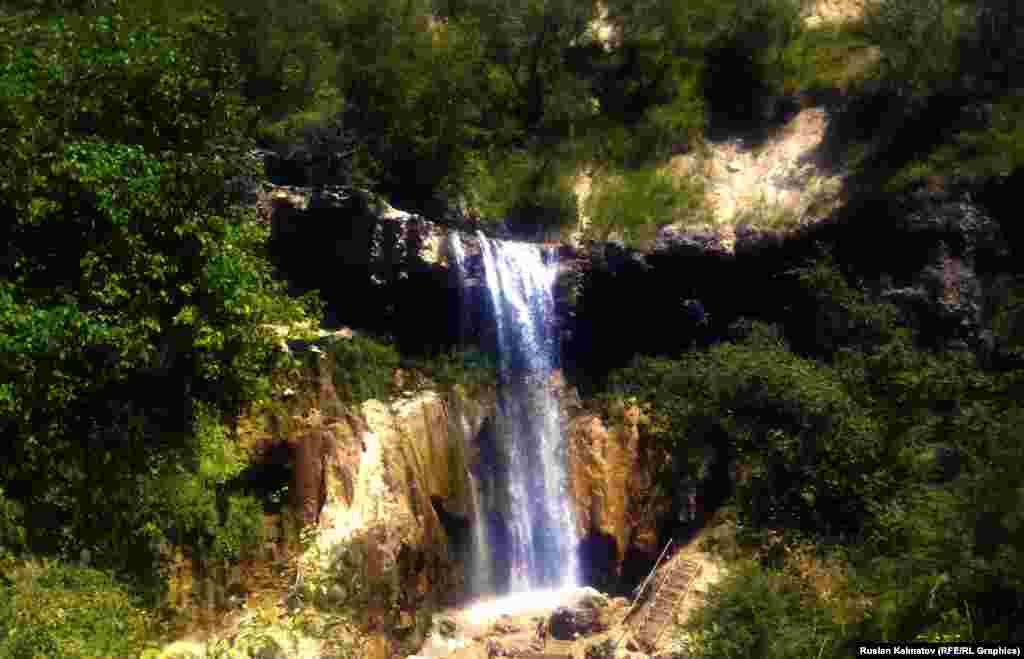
{"points": [[598, 557], [739, 101], [268, 475], [457, 528], [368, 271], [685, 295], [500, 537], [636, 565]]}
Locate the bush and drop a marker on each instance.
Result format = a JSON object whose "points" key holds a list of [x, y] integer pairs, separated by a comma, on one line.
{"points": [[62, 611], [531, 193], [135, 301], [760, 614], [843, 315], [467, 368], [544, 210], [362, 368], [807, 452], [635, 203], [919, 43]]}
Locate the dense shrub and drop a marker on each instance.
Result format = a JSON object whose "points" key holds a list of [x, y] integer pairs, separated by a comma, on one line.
{"points": [[63, 611], [919, 42], [757, 613], [809, 452], [467, 368], [531, 193], [844, 316], [362, 368], [635, 203], [134, 296]]}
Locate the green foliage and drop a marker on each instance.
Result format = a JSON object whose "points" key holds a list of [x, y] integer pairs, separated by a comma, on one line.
{"points": [[811, 452], [532, 193], [526, 42], [635, 203], [729, 52], [977, 153], [843, 315], [362, 368], [937, 554], [762, 214], [601, 649], [759, 613], [919, 42], [471, 369], [12, 529], [415, 94], [830, 56], [133, 301], [58, 610], [1008, 320]]}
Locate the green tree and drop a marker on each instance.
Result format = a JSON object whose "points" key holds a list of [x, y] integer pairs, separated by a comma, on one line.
{"points": [[414, 91], [526, 44], [919, 41], [133, 293], [810, 452]]}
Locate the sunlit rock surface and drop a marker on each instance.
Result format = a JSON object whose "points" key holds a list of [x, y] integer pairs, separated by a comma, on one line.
{"points": [[611, 485]]}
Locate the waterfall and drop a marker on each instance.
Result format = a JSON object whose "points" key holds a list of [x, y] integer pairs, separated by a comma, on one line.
{"points": [[534, 503], [480, 573]]}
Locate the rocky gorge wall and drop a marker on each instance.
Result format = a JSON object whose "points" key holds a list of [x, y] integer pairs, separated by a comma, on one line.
{"points": [[940, 253], [385, 488]]}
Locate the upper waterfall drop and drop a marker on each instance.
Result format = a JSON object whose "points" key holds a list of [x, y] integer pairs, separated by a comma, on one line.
{"points": [[532, 498]]}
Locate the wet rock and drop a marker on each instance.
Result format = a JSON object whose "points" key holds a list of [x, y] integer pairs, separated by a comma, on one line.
{"points": [[267, 649], [675, 239], [447, 627], [601, 650], [569, 623], [751, 239]]}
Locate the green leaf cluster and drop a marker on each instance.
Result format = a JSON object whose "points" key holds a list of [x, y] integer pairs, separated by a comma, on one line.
{"points": [[634, 203], [134, 296], [59, 610], [810, 452], [757, 612]]}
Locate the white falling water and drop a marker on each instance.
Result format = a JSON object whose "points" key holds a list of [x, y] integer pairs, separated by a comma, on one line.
{"points": [[480, 577], [542, 541]]}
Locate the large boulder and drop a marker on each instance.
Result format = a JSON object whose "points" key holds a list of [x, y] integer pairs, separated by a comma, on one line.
{"points": [[587, 613], [569, 623]]}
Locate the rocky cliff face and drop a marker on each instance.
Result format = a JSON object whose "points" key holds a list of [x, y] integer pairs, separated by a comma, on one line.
{"points": [[617, 509], [386, 486], [389, 478], [398, 504], [936, 253]]}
